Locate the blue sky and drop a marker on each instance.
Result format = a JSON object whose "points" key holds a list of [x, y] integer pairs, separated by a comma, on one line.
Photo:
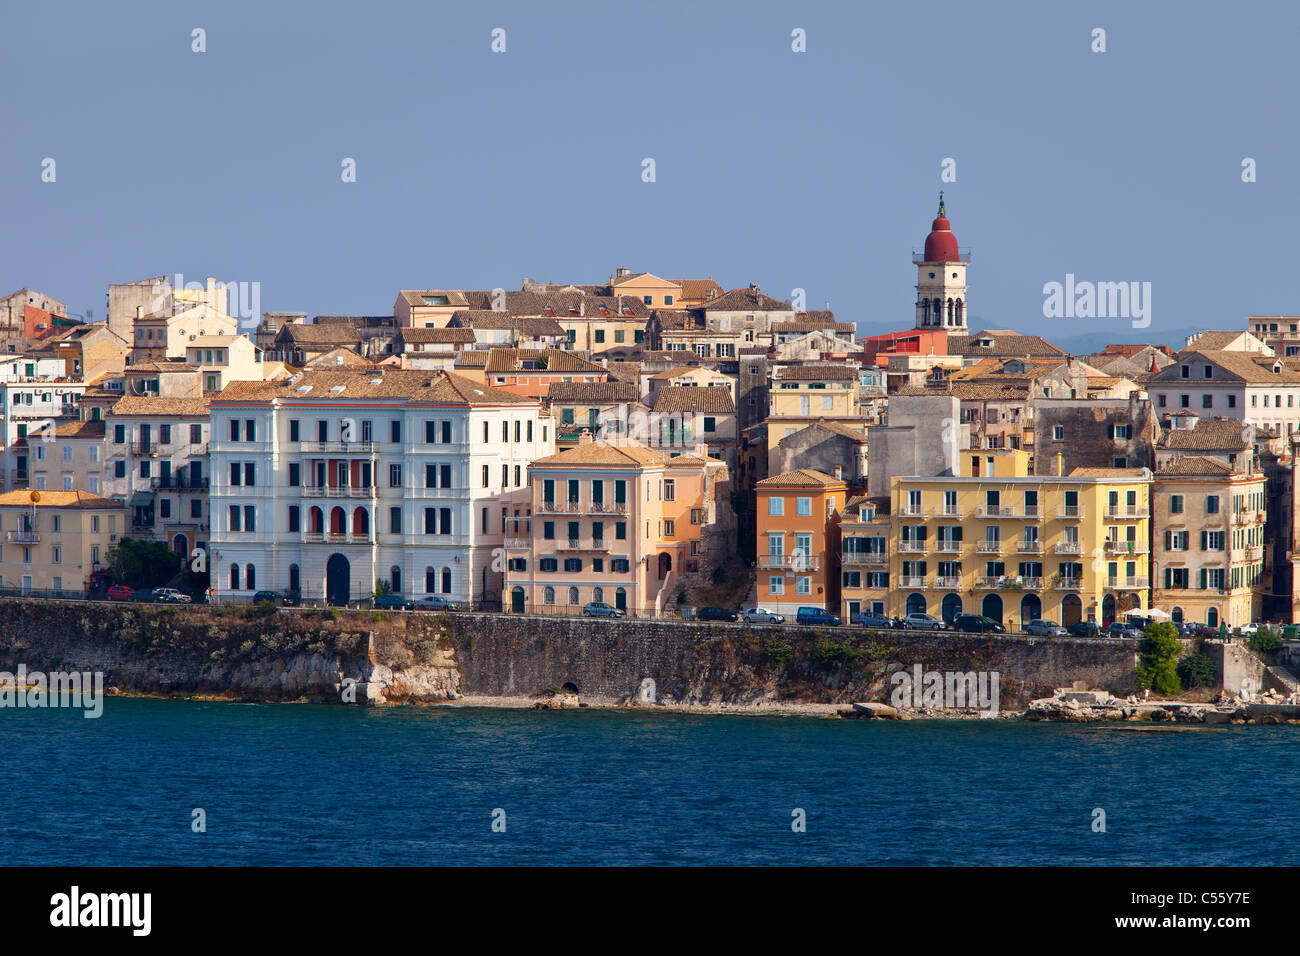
{"points": [[817, 170]]}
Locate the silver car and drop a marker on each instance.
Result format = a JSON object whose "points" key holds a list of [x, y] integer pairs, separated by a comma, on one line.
{"points": [[1046, 629], [761, 615]]}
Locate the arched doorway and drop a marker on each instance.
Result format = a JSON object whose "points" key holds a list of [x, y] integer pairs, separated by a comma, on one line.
{"points": [[1212, 617], [915, 604], [620, 599], [951, 607], [338, 579], [517, 600], [1031, 609], [361, 523], [992, 607], [1071, 610], [1108, 609], [1176, 615], [665, 565], [180, 545]]}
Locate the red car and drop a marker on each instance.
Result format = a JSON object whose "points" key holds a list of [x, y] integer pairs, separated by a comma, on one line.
{"points": [[119, 592]]}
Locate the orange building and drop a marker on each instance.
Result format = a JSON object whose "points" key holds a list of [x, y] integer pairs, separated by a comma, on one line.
{"points": [[615, 522], [798, 516]]}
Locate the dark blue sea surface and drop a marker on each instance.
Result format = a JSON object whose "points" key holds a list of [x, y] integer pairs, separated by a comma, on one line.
{"points": [[299, 784]]}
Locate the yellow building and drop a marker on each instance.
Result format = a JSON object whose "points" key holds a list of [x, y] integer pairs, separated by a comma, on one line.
{"points": [[51, 542], [864, 557], [1209, 542], [997, 541]]}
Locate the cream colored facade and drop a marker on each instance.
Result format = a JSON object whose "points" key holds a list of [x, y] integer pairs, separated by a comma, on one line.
{"points": [[222, 359], [57, 542], [1209, 543], [611, 521], [996, 541]]}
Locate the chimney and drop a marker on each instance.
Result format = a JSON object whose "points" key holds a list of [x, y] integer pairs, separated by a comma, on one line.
{"points": [[139, 312], [622, 272], [839, 472], [584, 437]]}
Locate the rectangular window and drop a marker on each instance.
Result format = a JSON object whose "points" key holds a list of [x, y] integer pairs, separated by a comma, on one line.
{"points": [[233, 522], [394, 476], [295, 519], [250, 518], [776, 584], [803, 506], [293, 429], [776, 506], [394, 520], [395, 431]]}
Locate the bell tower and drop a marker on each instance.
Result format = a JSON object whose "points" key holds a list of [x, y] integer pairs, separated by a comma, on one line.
{"points": [[941, 278]]}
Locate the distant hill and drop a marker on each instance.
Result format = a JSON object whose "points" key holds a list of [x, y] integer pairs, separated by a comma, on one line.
{"points": [[1085, 343]]}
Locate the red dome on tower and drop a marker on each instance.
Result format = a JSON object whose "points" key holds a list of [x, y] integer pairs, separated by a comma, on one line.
{"points": [[941, 244]]}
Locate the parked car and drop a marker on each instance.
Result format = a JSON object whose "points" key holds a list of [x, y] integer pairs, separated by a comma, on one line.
{"points": [[1248, 629], [600, 609], [816, 617], [1085, 629], [869, 619], [923, 622], [119, 592], [1123, 629], [392, 602], [142, 595], [761, 615], [976, 624], [279, 599], [1046, 629], [715, 614], [171, 596], [436, 602]]}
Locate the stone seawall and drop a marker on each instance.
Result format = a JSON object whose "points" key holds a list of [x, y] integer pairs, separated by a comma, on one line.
{"points": [[316, 655]]}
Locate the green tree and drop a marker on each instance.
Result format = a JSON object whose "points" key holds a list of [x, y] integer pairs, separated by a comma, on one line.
{"points": [[139, 563], [1264, 641], [382, 586], [778, 652], [1157, 665], [1197, 670]]}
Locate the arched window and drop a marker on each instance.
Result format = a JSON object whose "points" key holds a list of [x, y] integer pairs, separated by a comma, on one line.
{"points": [[925, 311], [573, 595], [338, 521], [950, 311], [960, 311], [395, 578], [446, 580], [598, 594], [250, 578], [295, 581], [1212, 617], [234, 577], [316, 521], [361, 522], [430, 581], [548, 596]]}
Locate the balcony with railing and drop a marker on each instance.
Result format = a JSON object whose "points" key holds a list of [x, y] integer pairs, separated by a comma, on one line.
{"points": [[861, 558], [1029, 547], [985, 583], [1068, 547], [337, 491], [179, 483], [514, 541], [1067, 584], [1254, 553], [911, 581], [911, 547], [996, 511], [790, 562], [1127, 583], [947, 546], [341, 447], [948, 511], [912, 511], [1069, 512], [947, 582], [580, 544], [1114, 546], [144, 448], [553, 507], [23, 537], [1128, 511], [337, 537], [988, 547]]}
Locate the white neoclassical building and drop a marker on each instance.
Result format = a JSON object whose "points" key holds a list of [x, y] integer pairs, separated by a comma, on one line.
{"points": [[329, 481]]}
